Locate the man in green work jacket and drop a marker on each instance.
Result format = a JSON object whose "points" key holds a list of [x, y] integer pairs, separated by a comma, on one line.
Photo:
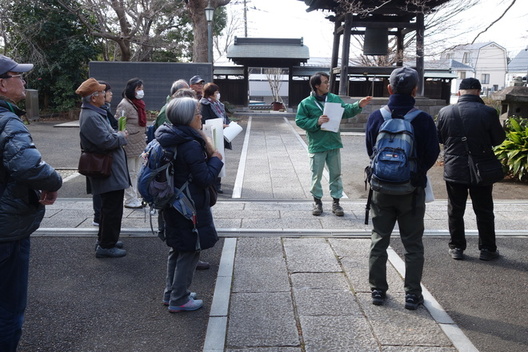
{"points": [[324, 145]]}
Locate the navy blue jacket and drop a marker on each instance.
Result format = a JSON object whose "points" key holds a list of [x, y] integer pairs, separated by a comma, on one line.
{"points": [[24, 175], [425, 137], [191, 165]]}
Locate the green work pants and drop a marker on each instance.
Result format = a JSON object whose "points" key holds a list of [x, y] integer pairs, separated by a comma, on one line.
{"points": [[332, 159]]}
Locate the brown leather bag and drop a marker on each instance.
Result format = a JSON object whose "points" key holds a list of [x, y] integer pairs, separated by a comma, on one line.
{"points": [[95, 165]]}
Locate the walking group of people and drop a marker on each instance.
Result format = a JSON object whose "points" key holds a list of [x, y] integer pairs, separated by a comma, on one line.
{"points": [[27, 183], [466, 129]]}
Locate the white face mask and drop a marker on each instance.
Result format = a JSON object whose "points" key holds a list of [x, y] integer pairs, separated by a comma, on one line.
{"points": [[217, 96], [140, 94]]}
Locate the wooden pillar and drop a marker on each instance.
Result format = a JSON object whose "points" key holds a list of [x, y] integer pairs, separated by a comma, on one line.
{"points": [[290, 85], [399, 47], [246, 85], [335, 55], [345, 56], [420, 32]]}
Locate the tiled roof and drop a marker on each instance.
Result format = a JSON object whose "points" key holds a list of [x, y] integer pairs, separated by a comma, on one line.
{"points": [[519, 62]]}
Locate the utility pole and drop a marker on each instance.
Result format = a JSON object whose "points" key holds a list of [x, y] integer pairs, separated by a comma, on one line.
{"points": [[245, 18]]}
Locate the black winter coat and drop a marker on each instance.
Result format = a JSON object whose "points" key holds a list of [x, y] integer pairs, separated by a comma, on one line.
{"points": [[480, 124], [191, 165]]}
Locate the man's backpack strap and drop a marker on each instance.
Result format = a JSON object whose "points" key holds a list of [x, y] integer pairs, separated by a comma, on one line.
{"points": [[409, 116], [386, 113]]}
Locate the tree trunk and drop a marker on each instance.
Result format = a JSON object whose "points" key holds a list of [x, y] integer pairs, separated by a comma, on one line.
{"points": [[197, 12]]}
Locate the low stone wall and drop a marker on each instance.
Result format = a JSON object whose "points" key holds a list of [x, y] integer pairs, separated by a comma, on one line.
{"points": [[358, 123], [430, 106]]}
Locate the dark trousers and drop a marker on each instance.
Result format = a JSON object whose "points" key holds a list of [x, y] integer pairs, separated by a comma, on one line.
{"points": [[408, 211], [482, 201], [111, 216], [14, 265], [96, 200]]}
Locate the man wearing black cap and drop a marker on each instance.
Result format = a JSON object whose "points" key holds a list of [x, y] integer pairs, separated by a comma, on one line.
{"points": [[479, 123], [407, 209], [27, 184], [197, 84]]}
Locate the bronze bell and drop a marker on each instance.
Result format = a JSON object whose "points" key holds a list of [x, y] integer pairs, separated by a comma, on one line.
{"points": [[376, 41]]}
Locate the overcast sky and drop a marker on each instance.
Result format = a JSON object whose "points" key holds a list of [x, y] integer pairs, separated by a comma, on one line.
{"points": [[289, 19]]}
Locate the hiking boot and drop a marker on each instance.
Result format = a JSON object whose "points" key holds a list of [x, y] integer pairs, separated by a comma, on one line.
{"points": [[192, 304], [202, 265], [166, 301], [486, 255], [337, 209], [317, 207], [113, 252], [378, 297], [412, 301], [456, 253]]}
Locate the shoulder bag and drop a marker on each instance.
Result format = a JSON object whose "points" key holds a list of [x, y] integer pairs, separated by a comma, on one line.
{"points": [[95, 165]]}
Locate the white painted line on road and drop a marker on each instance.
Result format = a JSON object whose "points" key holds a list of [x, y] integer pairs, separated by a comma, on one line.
{"points": [[299, 138], [452, 331], [217, 327], [239, 180], [71, 177]]}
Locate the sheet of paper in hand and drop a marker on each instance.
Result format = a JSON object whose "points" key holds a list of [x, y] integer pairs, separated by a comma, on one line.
{"points": [[334, 111]]}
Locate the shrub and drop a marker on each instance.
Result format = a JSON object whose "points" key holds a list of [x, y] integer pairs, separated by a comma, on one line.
{"points": [[513, 152]]}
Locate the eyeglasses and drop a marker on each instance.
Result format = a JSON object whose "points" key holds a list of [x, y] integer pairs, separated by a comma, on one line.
{"points": [[20, 75]]}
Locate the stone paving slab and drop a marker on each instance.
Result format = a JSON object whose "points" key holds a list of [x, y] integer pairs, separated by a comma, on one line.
{"points": [[323, 302], [337, 333], [262, 319]]}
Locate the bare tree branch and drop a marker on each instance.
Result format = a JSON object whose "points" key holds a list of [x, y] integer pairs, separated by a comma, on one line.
{"points": [[497, 20]]}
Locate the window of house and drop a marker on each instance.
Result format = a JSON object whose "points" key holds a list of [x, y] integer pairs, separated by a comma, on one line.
{"points": [[462, 74], [485, 78], [465, 58]]}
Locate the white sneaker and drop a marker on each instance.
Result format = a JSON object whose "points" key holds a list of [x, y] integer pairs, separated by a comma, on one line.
{"points": [[135, 204]]}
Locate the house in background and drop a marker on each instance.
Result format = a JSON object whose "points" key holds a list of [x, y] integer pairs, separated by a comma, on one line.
{"points": [[454, 68], [518, 67], [485, 61]]}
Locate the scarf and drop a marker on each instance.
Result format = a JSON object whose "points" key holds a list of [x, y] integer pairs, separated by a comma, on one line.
{"points": [[218, 109], [319, 97], [142, 114]]}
